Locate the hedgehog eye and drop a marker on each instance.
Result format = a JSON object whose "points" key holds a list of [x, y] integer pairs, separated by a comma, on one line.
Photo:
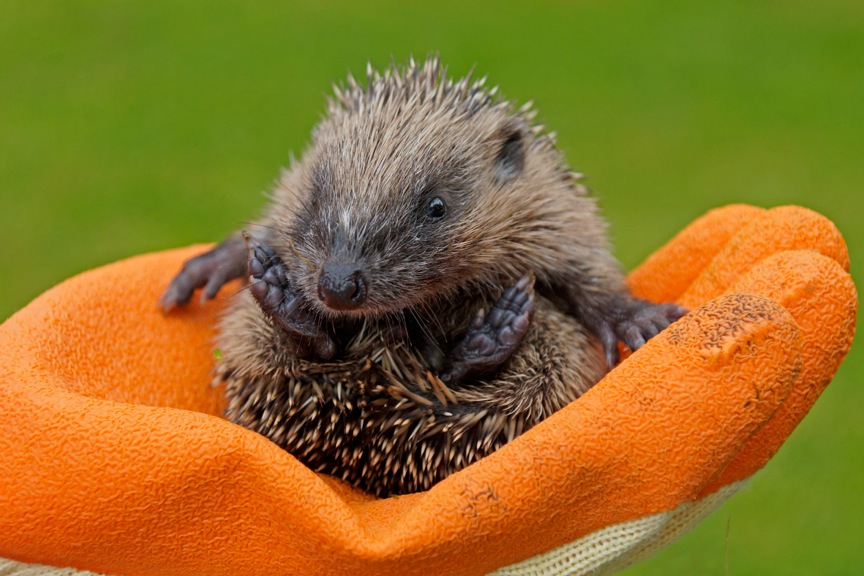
{"points": [[436, 208]]}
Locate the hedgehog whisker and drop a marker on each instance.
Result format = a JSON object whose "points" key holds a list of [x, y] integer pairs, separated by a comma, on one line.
{"points": [[402, 320], [248, 223], [424, 328], [244, 288]]}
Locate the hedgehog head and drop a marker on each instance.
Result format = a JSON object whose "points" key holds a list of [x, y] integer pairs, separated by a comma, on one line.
{"points": [[416, 185]]}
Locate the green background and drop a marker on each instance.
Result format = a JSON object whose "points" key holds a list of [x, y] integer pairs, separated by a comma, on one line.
{"points": [[133, 127]]}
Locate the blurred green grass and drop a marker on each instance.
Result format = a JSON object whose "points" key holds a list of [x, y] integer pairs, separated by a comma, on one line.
{"points": [[132, 127]]}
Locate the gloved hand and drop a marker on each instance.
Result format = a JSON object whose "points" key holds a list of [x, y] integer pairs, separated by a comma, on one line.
{"points": [[114, 460]]}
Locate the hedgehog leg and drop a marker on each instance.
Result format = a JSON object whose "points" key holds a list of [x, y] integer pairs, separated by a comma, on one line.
{"points": [[210, 270], [491, 339], [271, 288], [630, 320]]}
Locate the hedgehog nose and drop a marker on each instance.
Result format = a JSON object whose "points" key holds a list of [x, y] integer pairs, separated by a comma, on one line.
{"points": [[342, 286]]}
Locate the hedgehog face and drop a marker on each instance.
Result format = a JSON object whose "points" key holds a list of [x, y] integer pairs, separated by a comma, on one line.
{"points": [[393, 222]]}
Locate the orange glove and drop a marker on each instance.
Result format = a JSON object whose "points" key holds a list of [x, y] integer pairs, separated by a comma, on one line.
{"points": [[114, 459]]}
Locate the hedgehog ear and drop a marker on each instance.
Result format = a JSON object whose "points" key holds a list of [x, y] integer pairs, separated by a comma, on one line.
{"points": [[510, 159]]}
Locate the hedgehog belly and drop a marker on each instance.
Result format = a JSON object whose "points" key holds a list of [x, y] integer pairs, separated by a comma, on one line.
{"points": [[355, 421], [316, 415], [379, 419]]}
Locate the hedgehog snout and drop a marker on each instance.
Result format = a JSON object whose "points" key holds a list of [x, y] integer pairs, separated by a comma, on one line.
{"points": [[342, 286]]}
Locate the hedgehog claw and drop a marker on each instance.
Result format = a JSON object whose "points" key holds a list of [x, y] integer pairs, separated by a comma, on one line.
{"points": [[210, 270], [646, 320], [633, 322], [271, 288], [492, 338]]}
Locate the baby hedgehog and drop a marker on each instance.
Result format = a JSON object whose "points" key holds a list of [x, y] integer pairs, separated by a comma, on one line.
{"points": [[430, 280]]}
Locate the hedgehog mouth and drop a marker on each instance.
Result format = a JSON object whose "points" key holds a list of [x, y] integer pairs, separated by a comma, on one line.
{"points": [[366, 308], [410, 303], [362, 312]]}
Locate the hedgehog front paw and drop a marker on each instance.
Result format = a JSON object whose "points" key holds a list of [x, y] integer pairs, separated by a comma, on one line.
{"points": [[634, 322], [492, 339], [271, 288], [210, 271]]}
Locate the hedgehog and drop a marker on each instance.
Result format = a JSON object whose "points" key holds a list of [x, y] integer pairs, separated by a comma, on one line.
{"points": [[429, 281]]}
